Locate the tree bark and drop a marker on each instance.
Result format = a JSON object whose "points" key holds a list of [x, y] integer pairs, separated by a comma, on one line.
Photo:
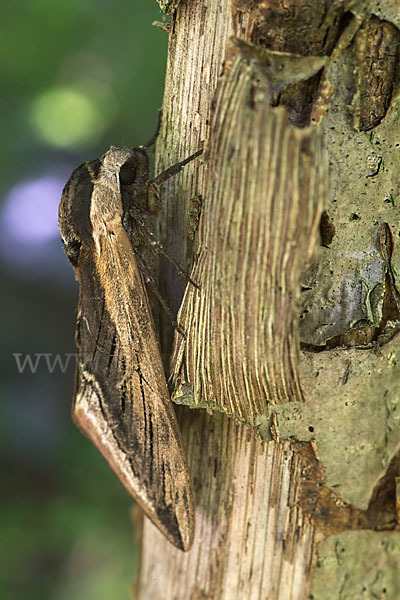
{"points": [[293, 446]]}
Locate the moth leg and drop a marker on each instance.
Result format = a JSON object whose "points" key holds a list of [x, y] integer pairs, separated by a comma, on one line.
{"points": [[154, 202], [152, 285], [159, 248]]}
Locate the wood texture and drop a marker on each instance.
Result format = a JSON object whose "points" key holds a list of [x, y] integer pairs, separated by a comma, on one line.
{"points": [[241, 483], [263, 507], [267, 186], [252, 539]]}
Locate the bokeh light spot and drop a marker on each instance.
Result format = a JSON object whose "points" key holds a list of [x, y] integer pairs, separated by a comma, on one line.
{"points": [[29, 214], [30, 244], [66, 117]]}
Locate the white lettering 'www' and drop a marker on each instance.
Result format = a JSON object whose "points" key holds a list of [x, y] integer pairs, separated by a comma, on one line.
{"points": [[52, 362]]}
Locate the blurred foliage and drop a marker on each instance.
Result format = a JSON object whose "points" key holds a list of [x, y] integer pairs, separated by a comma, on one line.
{"points": [[46, 44], [94, 70]]}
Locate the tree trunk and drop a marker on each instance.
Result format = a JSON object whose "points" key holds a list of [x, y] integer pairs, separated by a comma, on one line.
{"points": [[293, 446]]}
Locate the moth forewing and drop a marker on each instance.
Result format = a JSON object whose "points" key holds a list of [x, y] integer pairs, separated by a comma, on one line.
{"points": [[121, 400]]}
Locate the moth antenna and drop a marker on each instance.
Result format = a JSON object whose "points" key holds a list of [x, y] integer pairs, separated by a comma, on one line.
{"points": [[165, 175], [154, 137]]}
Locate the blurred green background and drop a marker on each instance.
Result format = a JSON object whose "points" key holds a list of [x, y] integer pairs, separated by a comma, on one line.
{"points": [[76, 77]]}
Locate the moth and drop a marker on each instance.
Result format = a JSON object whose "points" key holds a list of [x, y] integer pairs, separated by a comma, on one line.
{"points": [[121, 400]]}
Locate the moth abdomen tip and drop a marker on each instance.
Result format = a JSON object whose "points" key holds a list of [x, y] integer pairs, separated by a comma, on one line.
{"points": [[180, 533]]}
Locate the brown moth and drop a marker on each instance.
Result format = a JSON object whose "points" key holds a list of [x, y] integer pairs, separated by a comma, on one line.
{"points": [[121, 398]]}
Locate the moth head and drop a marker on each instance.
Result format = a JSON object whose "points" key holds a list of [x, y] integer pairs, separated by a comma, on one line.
{"points": [[74, 210], [128, 173], [132, 164]]}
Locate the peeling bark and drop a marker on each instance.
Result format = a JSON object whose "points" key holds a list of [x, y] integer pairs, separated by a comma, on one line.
{"points": [[308, 462]]}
